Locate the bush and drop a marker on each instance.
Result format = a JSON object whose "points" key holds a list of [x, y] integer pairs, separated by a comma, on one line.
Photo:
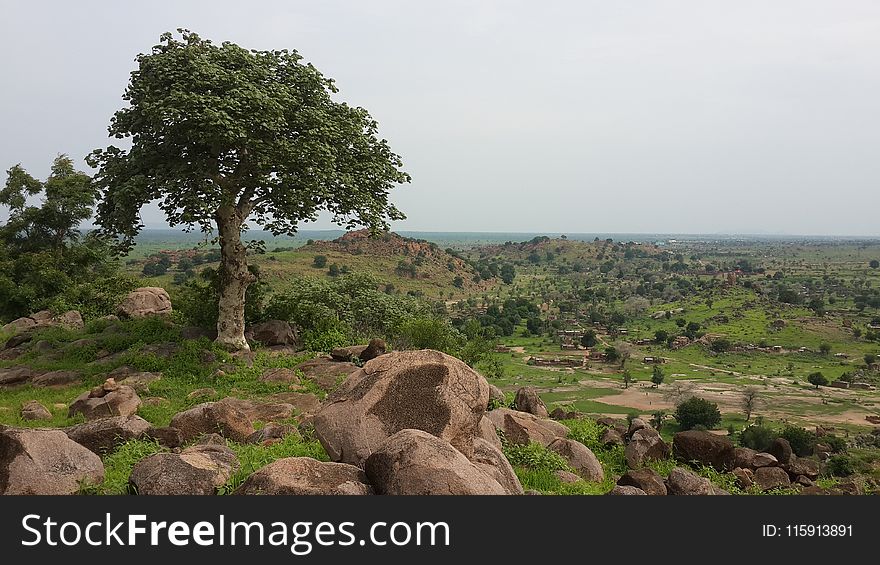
{"points": [[840, 466], [697, 412], [428, 333], [817, 379], [320, 261], [802, 441], [326, 340], [534, 456], [757, 437], [836, 443]]}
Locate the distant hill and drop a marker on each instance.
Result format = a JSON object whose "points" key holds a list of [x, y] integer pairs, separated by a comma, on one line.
{"points": [[543, 249]]}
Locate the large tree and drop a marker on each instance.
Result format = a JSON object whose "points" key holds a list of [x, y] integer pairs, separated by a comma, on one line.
{"points": [[221, 135]]}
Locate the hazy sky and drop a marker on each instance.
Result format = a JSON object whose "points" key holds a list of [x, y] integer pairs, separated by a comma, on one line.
{"points": [[584, 116]]}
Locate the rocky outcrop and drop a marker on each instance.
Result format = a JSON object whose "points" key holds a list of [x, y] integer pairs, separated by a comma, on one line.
{"points": [[645, 444], [105, 434], [15, 375], [580, 458], [213, 417], [523, 428], [109, 399], [424, 390], [527, 400], [647, 480], [45, 462], [306, 476], [414, 462], [273, 332], [705, 448], [145, 301], [197, 470]]}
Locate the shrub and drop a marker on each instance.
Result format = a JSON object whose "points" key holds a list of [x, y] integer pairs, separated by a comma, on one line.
{"points": [[757, 437], [197, 299], [836, 443], [697, 412], [840, 466], [534, 456], [802, 441], [428, 333], [325, 340], [320, 261]]}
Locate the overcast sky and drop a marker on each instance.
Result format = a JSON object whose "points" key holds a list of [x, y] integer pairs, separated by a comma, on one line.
{"points": [[584, 116]]}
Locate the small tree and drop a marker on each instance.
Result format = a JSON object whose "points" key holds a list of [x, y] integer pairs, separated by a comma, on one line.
{"points": [[221, 136], [334, 270], [589, 338], [825, 348], [697, 412], [870, 359], [874, 264], [660, 336], [657, 376], [749, 401], [319, 262], [627, 378], [817, 379], [611, 354]]}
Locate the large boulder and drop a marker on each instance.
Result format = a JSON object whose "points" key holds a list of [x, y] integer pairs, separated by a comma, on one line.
{"points": [[423, 390], [415, 462], [362, 353], [802, 466], [57, 378], [645, 444], [496, 395], [487, 432], [145, 301], [257, 411], [527, 400], [18, 325], [45, 462], [104, 434], [684, 482], [199, 469], [626, 490], [109, 399], [645, 479], [581, 459], [280, 375], [33, 410], [326, 372], [523, 428], [273, 332], [771, 477], [781, 450], [611, 437], [489, 458], [705, 448], [15, 375], [764, 460], [306, 476], [745, 478], [744, 457], [213, 417]]}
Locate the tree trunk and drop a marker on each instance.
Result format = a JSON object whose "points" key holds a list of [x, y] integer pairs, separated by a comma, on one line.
{"points": [[234, 279]]}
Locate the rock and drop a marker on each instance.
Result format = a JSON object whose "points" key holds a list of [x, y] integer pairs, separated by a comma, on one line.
{"points": [[496, 395], [302, 402], [522, 427], [271, 432], [279, 375], [645, 444], [487, 432], [744, 457], [17, 339], [71, 319], [306, 476], [424, 390], [57, 378], [803, 466], [198, 393], [744, 477], [415, 462], [527, 400], [489, 459], [619, 425], [771, 477], [559, 413], [626, 490], [850, 487], [581, 459], [804, 481], [683, 482], [165, 436], [636, 425], [647, 480], [260, 411], [197, 470], [211, 439], [145, 301], [140, 381], [18, 325], [567, 477], [123, 401], [781, 450], [17, 374], [45, 462], [326, 373], [764, 460], [33, 410], [813, 490], [207, 357], [705, 448], [611, 437], [273, 332], [213, 417], [362, 353], [155, 401], [104, 434]]}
